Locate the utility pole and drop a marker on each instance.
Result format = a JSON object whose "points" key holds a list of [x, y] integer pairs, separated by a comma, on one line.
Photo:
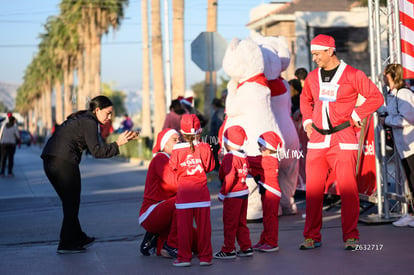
{"points": [[167, 57], [210, 80]]}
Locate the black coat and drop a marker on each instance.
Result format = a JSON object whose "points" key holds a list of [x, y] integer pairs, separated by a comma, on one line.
{"points": [[75, 135]]}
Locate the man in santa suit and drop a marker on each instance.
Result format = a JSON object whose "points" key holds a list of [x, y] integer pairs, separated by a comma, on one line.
{"points": [[330, 117]]}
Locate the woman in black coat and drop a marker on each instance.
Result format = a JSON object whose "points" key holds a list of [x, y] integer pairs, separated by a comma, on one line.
{"points": [[61, 157]]}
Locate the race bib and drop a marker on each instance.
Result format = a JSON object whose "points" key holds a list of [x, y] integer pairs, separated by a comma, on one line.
{"points": [[328, 92]]}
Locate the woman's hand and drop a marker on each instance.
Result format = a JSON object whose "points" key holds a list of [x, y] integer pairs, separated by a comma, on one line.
{"points": [[126, 136]]}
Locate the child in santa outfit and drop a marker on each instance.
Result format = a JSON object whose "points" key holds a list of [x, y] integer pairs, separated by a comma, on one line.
{"points": [[158, 207], [234, 193], [266, 167], [191, 161]]}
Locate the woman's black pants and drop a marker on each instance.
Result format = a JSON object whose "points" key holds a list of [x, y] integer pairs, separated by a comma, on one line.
{"points": [[65, 178]]}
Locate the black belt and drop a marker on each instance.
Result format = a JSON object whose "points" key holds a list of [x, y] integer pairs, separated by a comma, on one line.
{"points": [[331, 129]]}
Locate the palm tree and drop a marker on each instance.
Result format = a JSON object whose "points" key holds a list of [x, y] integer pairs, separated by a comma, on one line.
{"points": [[91, 19], [178, 76], [72, 42], [64, 44], [157, 66], [146, 110]]}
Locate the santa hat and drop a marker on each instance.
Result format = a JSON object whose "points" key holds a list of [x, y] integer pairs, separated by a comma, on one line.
{"points": [[235, 136], [187, 100], [190, 124], [162, 139], [322, 42], [270, 140]]}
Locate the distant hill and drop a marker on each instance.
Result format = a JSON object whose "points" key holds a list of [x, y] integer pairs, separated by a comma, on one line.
{"points": [[8, 93]]}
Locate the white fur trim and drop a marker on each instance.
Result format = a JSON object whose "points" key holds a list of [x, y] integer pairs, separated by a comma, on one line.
{"points": [[266, 144], [193, 204], [355, 116], [193, 132], [319, 48], [234, 145], [271, 189], [306, 122], [166, 137], [348, 146], [234, 194], [320, 145], [145, 215]]}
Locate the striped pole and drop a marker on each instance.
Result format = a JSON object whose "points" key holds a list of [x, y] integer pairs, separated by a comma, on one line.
{"points": [[406, 13]]}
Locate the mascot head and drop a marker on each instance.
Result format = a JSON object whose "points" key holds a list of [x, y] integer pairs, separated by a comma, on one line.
{"points": [[276, 55], [243, 59]]}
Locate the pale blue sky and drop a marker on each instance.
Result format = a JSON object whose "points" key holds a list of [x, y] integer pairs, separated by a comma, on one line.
{"points": [[21, 22]]}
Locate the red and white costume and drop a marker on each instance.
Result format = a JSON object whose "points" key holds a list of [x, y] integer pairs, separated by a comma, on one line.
{"points": [[234, 193], [158, 207], [267, 167], [334, 102], [193, 198]]}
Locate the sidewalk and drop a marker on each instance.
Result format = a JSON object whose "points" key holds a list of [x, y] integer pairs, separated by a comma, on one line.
{"points": [[30, 217]]}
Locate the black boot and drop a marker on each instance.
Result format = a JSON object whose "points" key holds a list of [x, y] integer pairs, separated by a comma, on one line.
{"points": [[149, 242]]}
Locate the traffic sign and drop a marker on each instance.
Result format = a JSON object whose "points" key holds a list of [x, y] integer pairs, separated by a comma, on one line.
{"points": [[207, 51]]}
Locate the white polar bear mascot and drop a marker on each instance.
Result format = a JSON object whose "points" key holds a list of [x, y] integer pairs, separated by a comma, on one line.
{"points": [[276, 59], [248, 104]]}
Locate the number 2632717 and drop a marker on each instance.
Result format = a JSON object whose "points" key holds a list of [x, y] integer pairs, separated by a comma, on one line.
{"points": [[369, 247]]}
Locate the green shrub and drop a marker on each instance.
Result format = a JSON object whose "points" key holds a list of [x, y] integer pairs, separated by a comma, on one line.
{"points": [[140, 149]]}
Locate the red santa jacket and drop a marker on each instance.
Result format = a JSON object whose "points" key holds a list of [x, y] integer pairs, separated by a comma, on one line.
{"points": [[336, 100], [267, 167], [190, 170], [233, 172], [160, 184]]}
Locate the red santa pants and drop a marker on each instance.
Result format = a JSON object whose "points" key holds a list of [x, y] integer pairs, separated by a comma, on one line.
{"points": [[162, 221], [270, 233], [185, 219], [235, 224], [343, 164]]}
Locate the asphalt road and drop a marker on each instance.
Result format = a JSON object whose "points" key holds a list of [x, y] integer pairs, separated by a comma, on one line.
{"points": [[112, 191]]}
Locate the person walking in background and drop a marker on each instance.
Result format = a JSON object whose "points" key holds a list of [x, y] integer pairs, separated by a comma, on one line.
{"points": [[127, 123], [301, 74], [295, 91], [191, 160], [61, 157], [400, 117], [234, 193], [106, 129], [187, 103], [173, 118], [9, 137], [265, 169], [327, 104], [157, 212], [217, 119]]}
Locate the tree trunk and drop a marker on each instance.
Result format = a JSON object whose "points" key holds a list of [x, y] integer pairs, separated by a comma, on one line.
{"points": [[58, 102], [87, 57], [96, 52], [81, 94], [146, 107], [48, 107], [178, 75], [67, 88], [157, 67]]}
